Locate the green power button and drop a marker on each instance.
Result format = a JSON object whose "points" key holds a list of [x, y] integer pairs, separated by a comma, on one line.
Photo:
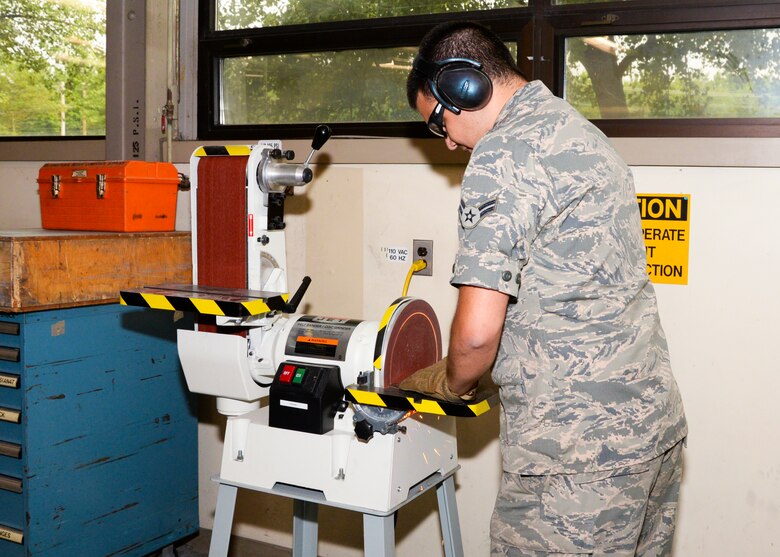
{"points": [[298, 377]]}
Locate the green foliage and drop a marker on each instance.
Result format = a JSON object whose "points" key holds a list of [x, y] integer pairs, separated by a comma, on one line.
{"points": [[247, 14], [52, 67], [712, 74]]}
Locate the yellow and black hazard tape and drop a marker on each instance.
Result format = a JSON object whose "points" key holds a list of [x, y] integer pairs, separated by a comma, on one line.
{"points": [[222, 151], [397, 399], [203, 306], [380, 336]]}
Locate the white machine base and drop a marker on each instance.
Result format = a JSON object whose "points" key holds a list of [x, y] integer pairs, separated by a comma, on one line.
{"points": [[375, 478], [378, 528], [374, 475]]}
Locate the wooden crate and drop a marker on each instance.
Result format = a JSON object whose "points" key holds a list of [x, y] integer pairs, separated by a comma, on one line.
{"points": [[46, 269]]}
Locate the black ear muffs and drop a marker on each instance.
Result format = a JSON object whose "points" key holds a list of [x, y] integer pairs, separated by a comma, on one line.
{"points": [[457, 83]]}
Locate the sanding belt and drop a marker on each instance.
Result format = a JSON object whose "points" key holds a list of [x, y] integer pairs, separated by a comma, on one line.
{"points": [[414, 341]]}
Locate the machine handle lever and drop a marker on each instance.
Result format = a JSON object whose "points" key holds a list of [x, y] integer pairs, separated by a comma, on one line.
{"points": [[292, 305], [321, 135]]}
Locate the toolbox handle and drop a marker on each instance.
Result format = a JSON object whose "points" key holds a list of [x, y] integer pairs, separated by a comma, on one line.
{"points": [[55, 185], [100, 185]]}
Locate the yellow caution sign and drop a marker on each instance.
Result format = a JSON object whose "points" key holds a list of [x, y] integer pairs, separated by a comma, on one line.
{"points": [[666, 228]]}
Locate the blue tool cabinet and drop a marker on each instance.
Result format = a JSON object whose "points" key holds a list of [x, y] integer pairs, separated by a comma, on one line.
{"points": [[98, 433]]}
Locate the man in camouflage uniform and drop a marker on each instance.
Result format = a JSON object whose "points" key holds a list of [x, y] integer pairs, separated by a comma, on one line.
{"points": [[554, 298]]}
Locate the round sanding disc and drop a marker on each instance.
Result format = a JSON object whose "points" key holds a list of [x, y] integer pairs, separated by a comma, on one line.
{"points": [[412, 340]]}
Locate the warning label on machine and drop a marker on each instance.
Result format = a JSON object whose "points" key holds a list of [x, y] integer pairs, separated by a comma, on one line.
{"points": [[666, 227], [320, 337]]}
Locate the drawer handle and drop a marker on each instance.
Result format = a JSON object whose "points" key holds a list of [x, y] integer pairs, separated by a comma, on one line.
{"points": [[9, 381], [9, 328], [10, 484], [11, 534], [10, 415], [10, 449], [9, 354]]}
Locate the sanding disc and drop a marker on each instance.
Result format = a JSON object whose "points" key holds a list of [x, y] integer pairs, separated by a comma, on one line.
{"points": [[410, 339]]}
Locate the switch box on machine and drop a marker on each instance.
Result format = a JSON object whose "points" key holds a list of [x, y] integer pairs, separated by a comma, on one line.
{"points": [[305, 397]]}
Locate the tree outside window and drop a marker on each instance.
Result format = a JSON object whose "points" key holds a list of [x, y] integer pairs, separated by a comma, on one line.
{"points": [[52, 68]]}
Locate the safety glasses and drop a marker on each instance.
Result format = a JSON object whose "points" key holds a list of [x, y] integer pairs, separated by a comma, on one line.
{"points": [[436, 121]]}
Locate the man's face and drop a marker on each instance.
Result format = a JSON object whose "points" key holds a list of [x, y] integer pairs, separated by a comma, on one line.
{"points": [[461, 130]]}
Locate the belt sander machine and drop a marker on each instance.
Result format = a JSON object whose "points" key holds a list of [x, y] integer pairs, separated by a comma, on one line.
{"points": [[331, 419]]}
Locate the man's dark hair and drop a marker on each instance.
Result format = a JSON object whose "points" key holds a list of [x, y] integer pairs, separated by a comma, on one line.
{"points": [[462, 39]]}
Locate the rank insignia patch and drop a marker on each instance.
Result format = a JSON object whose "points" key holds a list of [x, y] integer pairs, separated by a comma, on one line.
{"points": [[470, 215]]}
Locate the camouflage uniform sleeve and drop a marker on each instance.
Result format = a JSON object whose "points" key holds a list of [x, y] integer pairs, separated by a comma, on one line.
{"points": [[501, 200]]}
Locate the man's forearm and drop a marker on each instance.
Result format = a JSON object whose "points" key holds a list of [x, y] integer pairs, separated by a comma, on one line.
{"points": [[475, 336]]}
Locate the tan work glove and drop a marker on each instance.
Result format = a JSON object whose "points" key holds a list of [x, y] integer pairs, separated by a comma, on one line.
{"points": [[432, 381]]}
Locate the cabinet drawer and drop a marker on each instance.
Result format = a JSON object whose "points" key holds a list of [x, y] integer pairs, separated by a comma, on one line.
{"points": [[11, 535], [9, 353], [9, 328], [11, 450], [11, 510], [11, 433], [9, 380], [10, 415], [10, 483]]}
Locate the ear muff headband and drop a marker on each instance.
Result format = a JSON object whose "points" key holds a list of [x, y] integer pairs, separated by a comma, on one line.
{"points": [[457, 83]]}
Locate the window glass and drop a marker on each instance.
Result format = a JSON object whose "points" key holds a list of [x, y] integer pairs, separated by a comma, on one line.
{"points": [[52, 67], [568, 2], [346, 86], [246, 14], [713, 74], [338, 87]]}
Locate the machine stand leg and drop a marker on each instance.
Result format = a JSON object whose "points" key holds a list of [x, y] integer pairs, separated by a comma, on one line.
{"points": [[448, 516], [223, 520], [304, 528], [379, 535]]}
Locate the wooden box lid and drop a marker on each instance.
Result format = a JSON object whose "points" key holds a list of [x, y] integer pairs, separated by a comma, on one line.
{"points": [[46, 269]]}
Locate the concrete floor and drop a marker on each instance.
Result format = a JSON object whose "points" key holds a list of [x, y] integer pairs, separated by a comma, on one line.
{"points": [[239, 547]]}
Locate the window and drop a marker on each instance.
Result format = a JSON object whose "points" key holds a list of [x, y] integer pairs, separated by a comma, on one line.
{"points": [[705, 74], [264, 70], [52, 68], [635, 67]]}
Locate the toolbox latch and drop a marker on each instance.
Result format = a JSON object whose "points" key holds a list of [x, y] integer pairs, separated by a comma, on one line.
{"points": [[100, 187], [55, 185]]}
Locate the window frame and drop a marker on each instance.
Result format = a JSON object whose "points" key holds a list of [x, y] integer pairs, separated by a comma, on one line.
{"points": [[343, 35], [539, 30], [644, 18]]}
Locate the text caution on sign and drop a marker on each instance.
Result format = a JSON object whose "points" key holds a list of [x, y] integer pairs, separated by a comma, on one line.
{"points": [[666, 226]]}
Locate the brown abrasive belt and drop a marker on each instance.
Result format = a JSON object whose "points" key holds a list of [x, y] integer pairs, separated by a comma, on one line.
{"points": [[414, 341], [222, 221], [221, 207]]}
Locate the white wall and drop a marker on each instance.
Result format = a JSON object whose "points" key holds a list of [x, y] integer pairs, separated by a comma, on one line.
{"points": [[723, 333], [19, 205]]}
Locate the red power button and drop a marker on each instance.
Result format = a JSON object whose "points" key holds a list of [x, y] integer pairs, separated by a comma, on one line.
{"points": [[287, 374]]}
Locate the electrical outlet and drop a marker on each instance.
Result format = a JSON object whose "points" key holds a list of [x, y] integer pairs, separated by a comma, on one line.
{"points": [[423, 249]]}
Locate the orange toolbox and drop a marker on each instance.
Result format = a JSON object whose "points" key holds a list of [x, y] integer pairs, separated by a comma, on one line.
{"points": [[116, 196]]}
